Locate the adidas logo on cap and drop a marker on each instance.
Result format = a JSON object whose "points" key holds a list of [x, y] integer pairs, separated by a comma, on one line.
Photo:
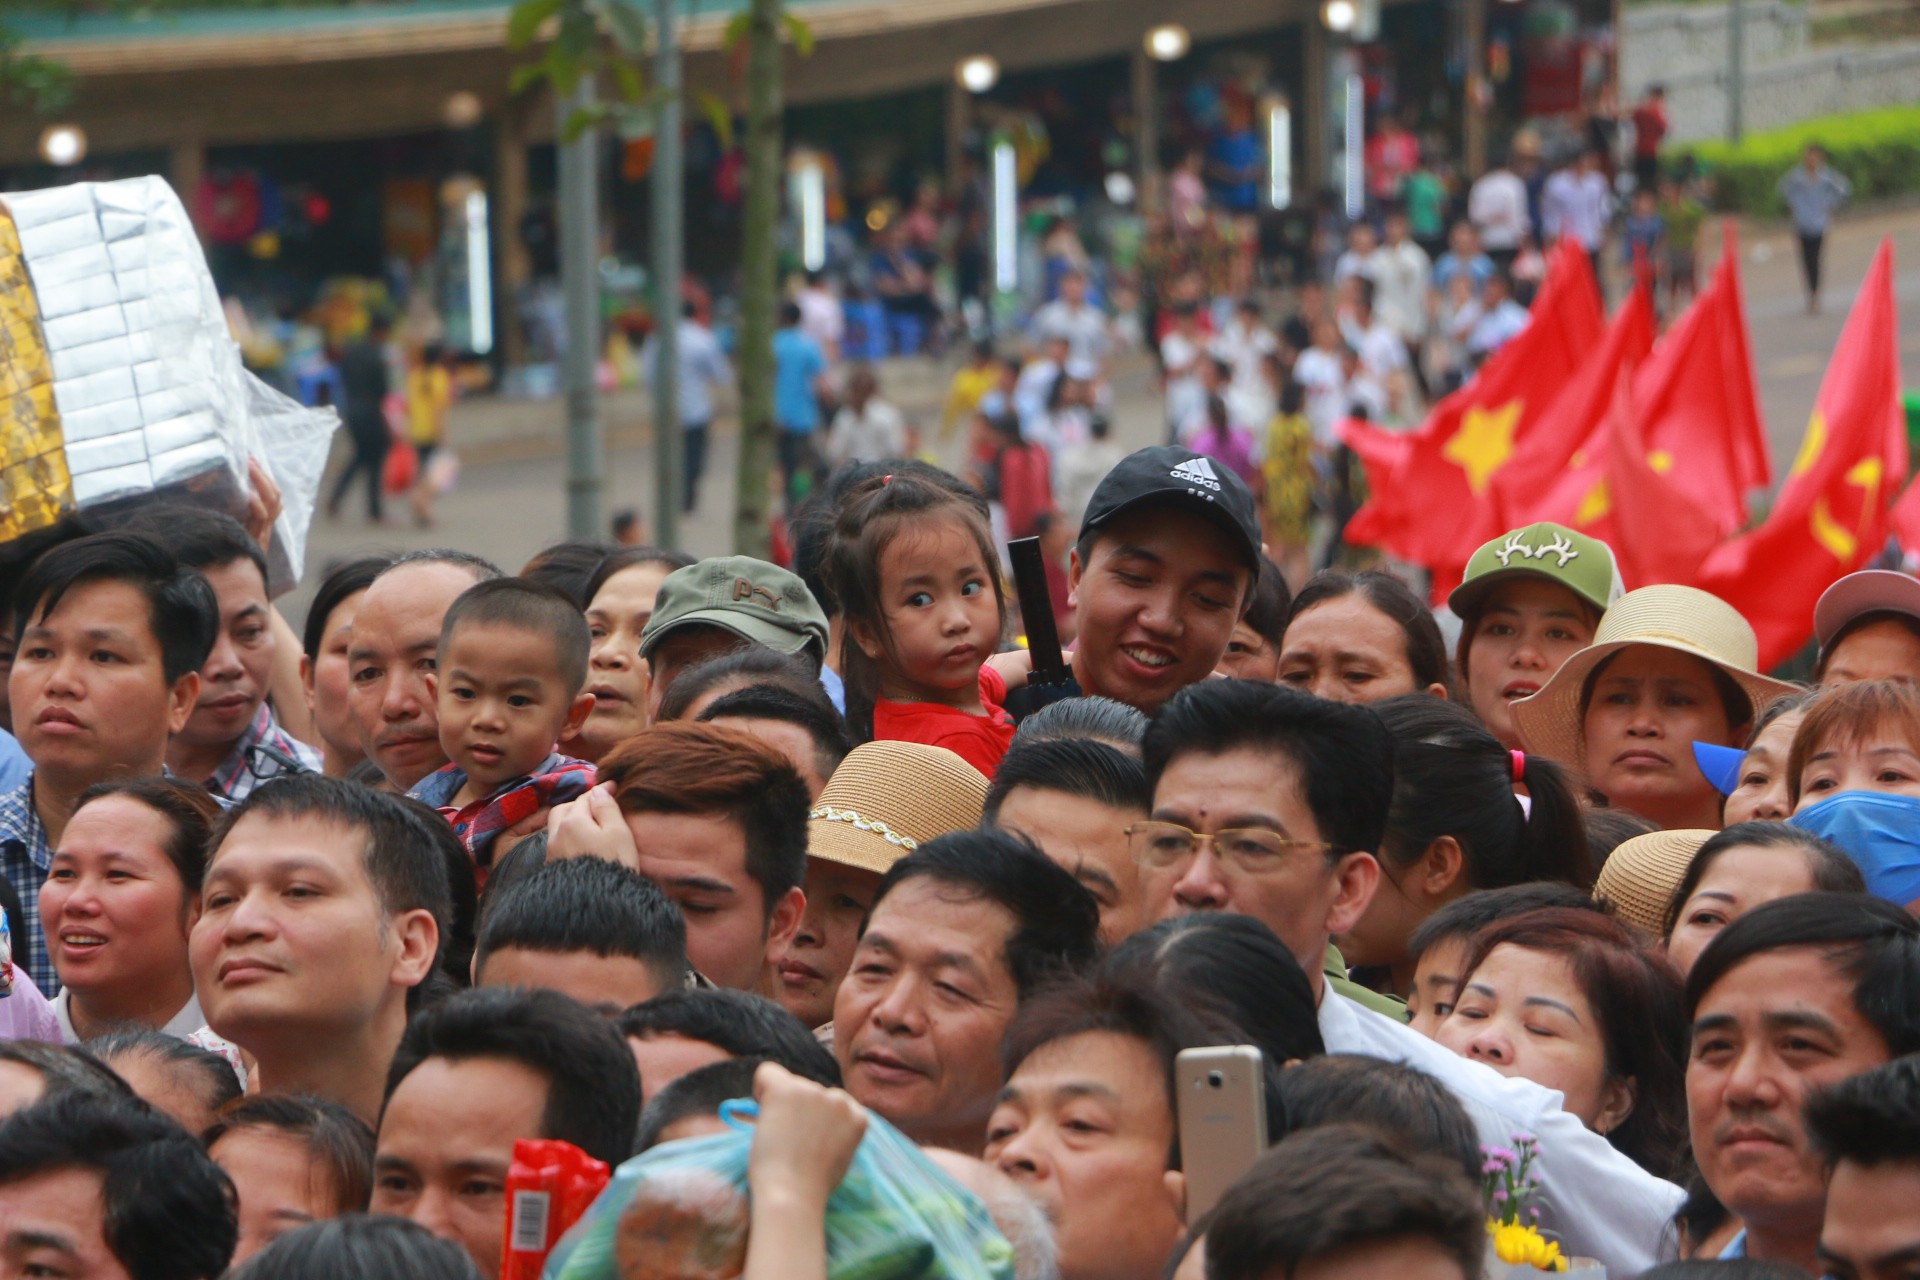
{"points": [[1197, 471]]}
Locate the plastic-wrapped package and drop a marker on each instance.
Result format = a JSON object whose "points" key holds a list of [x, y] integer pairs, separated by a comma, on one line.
{"points": [[679, 1212], [118, 375]]}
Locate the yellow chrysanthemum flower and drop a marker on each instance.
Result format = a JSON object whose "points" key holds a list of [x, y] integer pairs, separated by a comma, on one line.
{"points": [[1517, 1245]]}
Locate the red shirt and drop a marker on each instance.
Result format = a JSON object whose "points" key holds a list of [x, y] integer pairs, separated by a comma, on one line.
{"points": [[979, 740], [1649, 128]]}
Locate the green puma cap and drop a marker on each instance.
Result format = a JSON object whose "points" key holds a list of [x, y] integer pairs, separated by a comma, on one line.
{"points": [[1582, 564], [759, 602]]}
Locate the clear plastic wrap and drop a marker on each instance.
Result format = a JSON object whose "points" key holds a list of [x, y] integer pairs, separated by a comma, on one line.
{"points": [[679, 1212]]}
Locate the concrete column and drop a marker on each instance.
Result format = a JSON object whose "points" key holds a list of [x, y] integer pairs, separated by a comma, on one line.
{"points": [[1146, 130], [959, 120], [1316, 120], [188, 167], [1473, 109], [509, 204]]}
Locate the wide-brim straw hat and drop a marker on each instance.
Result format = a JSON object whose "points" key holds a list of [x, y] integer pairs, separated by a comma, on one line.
{"points": [[888, 798], [1684, 619], [1641, 874]]}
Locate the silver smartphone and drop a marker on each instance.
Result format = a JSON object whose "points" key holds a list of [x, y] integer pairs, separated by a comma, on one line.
{"points": [[1223, 1119]]}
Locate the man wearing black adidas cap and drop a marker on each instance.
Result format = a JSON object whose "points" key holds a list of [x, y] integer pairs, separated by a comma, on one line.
{"points": [[1164, 567]]}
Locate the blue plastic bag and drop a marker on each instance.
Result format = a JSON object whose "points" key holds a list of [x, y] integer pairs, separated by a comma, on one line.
{"points": [[895, 1216]]}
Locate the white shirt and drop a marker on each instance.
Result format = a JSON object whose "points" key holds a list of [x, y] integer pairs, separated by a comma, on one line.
{"points": [[703, 366], [1350, 264], [180, 1025], [1602, 1204], [821, 318], [1400, 276], [1245, 347], [1321, 375], [1577, 206], [1083, 327], [1186, 395], [1492, 330], [1032, 390], [1379, 347], [1497, 207], [879, 432]]}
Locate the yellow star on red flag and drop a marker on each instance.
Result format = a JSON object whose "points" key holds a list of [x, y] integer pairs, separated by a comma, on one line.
{"points": [[1483, 443]]}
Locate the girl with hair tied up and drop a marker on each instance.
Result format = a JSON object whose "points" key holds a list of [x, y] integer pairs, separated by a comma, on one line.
{"points": [[1456, 826], [912, 563]]}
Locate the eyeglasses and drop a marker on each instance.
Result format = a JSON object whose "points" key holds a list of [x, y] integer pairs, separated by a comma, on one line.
{"points": [[1251, 851], [265, 763]]}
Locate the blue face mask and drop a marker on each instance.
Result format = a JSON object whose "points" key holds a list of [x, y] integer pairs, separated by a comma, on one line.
{"points": [[1880, 832]]}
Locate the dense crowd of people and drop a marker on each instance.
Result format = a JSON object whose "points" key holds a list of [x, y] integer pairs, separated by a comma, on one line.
{"points": [[308, 930], [1572, 937]]}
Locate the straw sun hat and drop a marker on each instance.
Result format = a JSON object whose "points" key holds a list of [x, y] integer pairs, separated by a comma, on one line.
{"points": [[1638, 881], [887, 799], [1683, 619]]}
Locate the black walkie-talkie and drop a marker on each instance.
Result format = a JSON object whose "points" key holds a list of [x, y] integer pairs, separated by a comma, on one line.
{"points": [[1036, 610]]}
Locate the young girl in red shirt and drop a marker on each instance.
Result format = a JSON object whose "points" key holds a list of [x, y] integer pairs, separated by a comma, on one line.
{"points": [[912, 564]]}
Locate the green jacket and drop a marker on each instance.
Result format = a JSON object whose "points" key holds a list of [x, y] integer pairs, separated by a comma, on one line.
{"points": [[1335, 968]]}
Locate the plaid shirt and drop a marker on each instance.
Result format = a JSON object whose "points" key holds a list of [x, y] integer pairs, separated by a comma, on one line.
{"points": [[24, 859], [554, 780], [264, 751]]}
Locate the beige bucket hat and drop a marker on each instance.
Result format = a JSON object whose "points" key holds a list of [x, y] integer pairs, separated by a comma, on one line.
{"points": [[1684, 619], [888, 798], [1641, 874]]}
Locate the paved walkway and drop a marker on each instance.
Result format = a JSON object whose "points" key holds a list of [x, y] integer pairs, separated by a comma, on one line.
{"points": [[511, 500]]}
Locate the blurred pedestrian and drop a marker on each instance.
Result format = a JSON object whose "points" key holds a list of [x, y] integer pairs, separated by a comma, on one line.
{"points": [[1813, 190], [364, 384], [1649, 131]]}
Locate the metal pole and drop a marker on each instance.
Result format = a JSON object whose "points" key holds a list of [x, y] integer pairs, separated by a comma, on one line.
{"points": [[579, 282], [1736, 70], [1474, 111], [1146, 133], [668, 442]]}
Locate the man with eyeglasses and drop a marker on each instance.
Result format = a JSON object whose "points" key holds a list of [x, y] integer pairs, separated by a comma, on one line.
{"points": [[1270, 803]]}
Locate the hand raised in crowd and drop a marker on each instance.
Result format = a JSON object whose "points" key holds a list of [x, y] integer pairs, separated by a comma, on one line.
{"points": [[263, 503], [592, 827], [803, 1145]]}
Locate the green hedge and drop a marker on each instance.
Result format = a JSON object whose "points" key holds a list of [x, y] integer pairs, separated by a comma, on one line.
{"points": [[1878, 151]]}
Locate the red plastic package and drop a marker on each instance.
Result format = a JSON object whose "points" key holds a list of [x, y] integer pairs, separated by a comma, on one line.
{"points": [[549, 1186]]}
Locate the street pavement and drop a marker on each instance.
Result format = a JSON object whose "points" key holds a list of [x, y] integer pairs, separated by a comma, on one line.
{"points": [[511, 497]]}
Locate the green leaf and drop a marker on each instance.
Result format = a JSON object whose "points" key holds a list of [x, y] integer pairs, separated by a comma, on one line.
{"points": [[627, 22], [583, 119], [576, 38], [799, 32], [736, 31], [562, 70], [526, 77], [626, 79], [719, 116], [528, 16]]}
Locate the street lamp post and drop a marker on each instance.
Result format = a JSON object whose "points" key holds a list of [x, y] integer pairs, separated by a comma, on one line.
{"points": [[580, 286], [668, 197], [1736, 70]]}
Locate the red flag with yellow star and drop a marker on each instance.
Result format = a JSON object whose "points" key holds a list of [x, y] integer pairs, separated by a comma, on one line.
{"points": [[1832, 514], [1434, 507], [1559, 473], [1696, 413], [1658, 531]]}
